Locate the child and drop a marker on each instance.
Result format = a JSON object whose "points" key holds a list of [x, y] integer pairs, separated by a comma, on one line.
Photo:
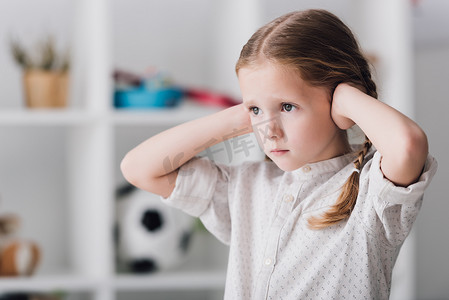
{"points": [[320, 219]]}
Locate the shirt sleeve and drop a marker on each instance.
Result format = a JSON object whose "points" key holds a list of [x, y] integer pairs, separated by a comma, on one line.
{"points": [[396, 207], [201, 190]]}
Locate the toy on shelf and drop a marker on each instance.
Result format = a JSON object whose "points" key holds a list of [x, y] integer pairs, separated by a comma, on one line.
{"points": [[158, 90], [207, 97], [18, 257], [150, 235], [152, 91]]}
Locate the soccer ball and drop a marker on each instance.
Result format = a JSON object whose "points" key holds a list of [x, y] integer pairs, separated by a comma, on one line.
{"points": [[151, 236]]}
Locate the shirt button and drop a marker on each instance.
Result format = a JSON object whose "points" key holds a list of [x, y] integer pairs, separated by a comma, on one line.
{"points": [[306, 169], [288, 198], [268, 261]]}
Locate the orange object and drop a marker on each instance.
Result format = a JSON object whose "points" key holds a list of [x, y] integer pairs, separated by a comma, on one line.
{"points": [[45, 88], [19, 258]]}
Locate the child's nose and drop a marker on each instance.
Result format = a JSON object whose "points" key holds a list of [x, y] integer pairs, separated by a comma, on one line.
{"points": [[274, 130]]}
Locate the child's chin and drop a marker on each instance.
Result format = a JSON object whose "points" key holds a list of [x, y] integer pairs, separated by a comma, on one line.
{"points": [[284, 166]]}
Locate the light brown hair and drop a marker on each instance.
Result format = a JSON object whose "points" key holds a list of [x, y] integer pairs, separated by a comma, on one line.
{"points": [[324, 51]]}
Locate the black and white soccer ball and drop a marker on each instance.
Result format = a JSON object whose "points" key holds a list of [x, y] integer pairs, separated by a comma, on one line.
{"points": [[151, 236]]}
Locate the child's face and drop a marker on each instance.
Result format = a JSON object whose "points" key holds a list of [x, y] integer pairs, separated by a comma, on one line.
{"points": [[291, 119]]}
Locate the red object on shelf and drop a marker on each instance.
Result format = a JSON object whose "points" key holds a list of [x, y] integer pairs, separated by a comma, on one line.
{"points": [[210, 98]]}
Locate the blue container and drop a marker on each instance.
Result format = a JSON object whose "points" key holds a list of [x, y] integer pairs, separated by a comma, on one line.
{"points": [[142, 98]]}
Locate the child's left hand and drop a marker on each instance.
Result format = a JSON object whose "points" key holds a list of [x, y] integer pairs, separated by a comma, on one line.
{"points": [[401, 142]]}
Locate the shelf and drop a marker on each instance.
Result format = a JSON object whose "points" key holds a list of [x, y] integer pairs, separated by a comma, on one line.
{"points": [[187, 111], [67, 117], [48, 283], [44, 117], [180, 280]]}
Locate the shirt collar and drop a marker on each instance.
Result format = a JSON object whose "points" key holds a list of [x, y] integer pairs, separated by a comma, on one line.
{"points": [[332, 165]]}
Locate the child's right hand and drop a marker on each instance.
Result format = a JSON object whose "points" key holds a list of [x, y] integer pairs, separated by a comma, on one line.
{"points": [[242, 118], [153, 165]]}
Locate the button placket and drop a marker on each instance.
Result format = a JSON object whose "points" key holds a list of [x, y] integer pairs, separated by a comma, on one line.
{"points": [[288, 198], [284, 212], [268, 261], [286, 206], [269, 256], [306, 169], [286, 201]]}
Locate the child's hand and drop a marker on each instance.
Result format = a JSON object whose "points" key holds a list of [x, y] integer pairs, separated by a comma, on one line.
{"points": [[401, 142], [342, 91], [242, 118], [153, 165]]}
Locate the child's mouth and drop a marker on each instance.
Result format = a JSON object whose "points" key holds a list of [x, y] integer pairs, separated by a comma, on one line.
{"points": [[278, 152]]}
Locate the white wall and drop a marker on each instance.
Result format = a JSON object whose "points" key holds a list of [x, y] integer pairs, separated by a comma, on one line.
{"points": [[430, 23], [432, 113], [175, 36]]}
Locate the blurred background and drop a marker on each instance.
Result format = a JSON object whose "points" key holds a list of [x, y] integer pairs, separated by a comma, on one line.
{"points": [[62, 197]]}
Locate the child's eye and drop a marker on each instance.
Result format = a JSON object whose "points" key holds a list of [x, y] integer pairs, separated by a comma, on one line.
{"points": [[287, 107], [255, 110]]}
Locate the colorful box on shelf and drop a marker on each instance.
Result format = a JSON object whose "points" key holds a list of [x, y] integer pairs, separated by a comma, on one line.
{"points": [[140, 97]]}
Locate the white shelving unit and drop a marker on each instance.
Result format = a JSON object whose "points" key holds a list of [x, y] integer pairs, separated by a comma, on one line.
{"points": [[88, 139]]}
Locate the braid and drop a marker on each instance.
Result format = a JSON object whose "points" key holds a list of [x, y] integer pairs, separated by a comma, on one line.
{"points": [[361, 154], [347, 198]]}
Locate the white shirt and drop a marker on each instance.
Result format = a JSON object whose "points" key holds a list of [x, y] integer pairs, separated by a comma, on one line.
{"points": [[262, 211]]}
